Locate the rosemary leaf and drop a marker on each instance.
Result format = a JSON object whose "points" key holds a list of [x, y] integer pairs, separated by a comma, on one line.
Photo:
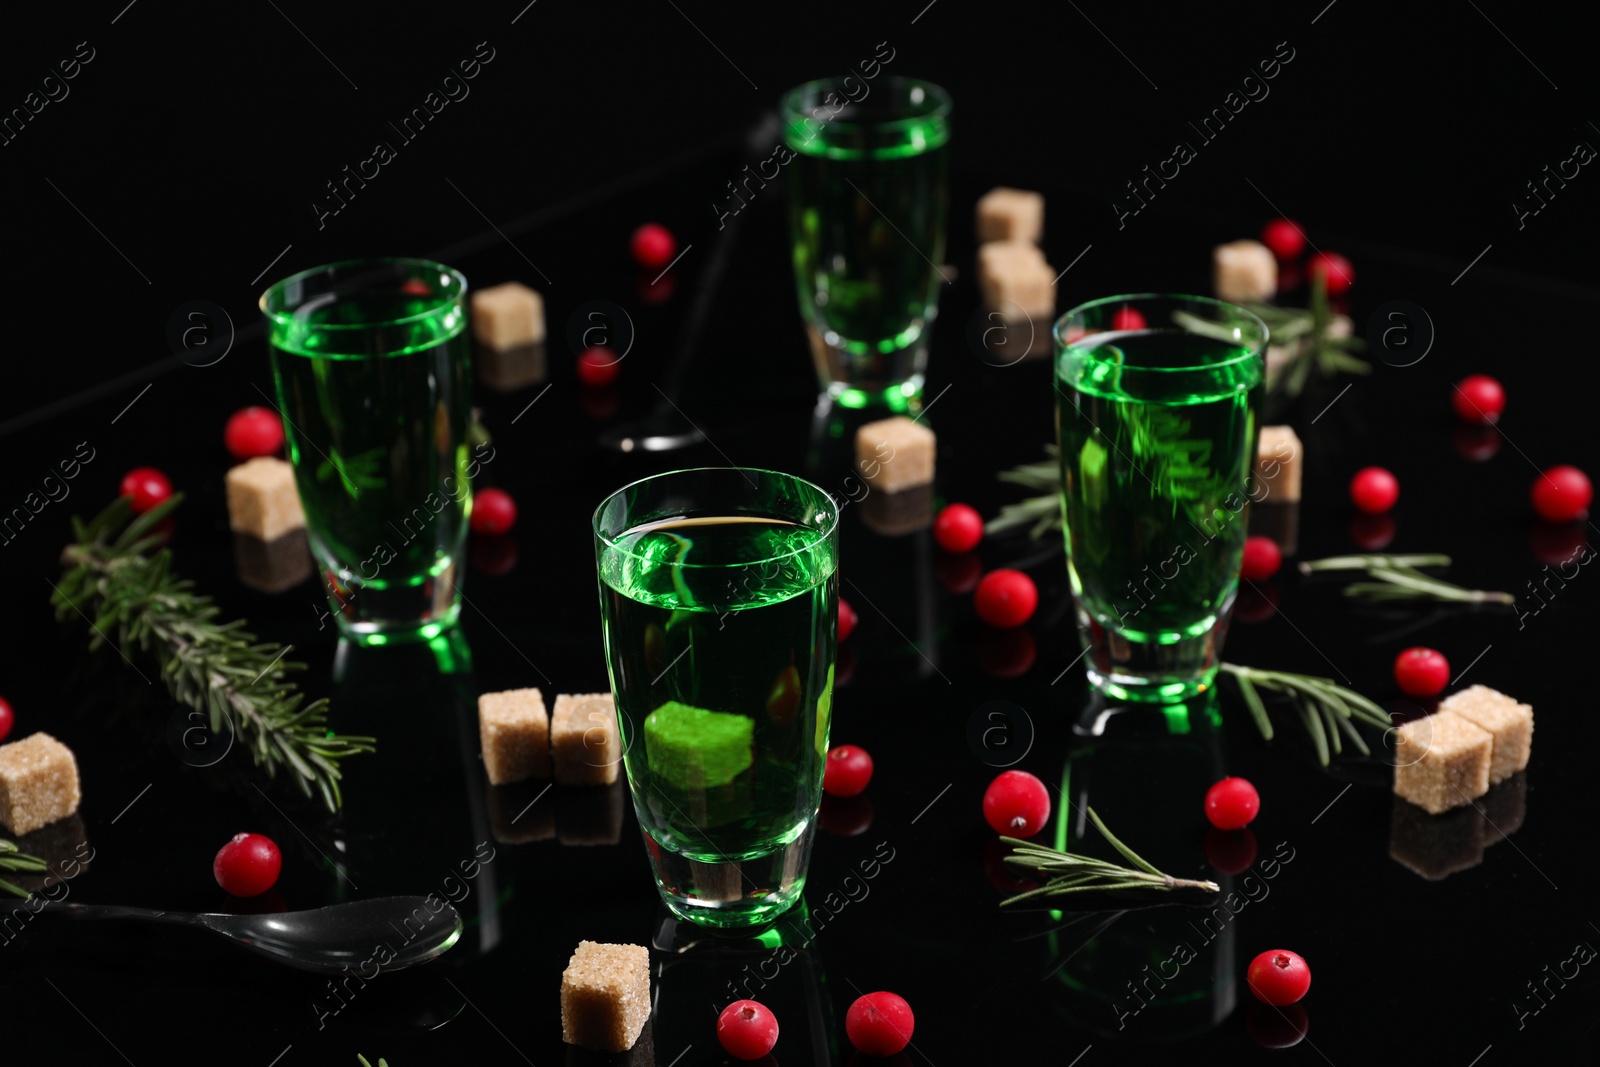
{"points": [[1084, 874], [1366, 561], [1323, 706], [1397, 578], [1252, 700], [1127, 853], [1355, 738], [1331, 730], [12, 859], [116, 575], [1319, 737]]}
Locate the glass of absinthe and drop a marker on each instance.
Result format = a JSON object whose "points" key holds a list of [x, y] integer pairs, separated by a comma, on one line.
{"points": [[372, 364], [1157, 403], [719, 604]]}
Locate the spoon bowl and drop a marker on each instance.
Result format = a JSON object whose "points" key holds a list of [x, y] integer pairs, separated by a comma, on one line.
{"points": [[390, 932]]}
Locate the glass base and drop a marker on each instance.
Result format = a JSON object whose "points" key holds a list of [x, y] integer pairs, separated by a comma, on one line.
{"points": [[374, 615], [887, 380], [734, 895], [901, 399], [1159, 667]]}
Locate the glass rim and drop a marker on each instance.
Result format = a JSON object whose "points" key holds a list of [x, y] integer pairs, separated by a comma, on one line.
{"points": [[827, 533], [939, 100], [443, 306], [1059, 330]]}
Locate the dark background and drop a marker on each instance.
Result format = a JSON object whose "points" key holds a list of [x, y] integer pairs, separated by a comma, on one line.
{"points": [[196, 140], [198, 137]]}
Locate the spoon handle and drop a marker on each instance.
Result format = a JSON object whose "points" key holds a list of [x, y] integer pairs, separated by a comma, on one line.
{"points": [[119, 911]]}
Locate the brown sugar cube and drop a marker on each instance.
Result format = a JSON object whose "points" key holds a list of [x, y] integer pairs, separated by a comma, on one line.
{"points": [[1436, 846], [1016, 281], [1442, 762], [505, 316], [1510, 723], [605, 996], [642, 1054], [895, 453], [38, 783], [516, 735], [584, 743], [1278, 463], [262, 499], [1010, 215], [1244, 272]]}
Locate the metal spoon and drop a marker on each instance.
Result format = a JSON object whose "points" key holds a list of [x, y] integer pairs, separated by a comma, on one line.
{"points": [[324, 940]]}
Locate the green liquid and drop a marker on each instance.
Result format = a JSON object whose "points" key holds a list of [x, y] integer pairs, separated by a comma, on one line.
{"points": [[868, 227], [735, 663], [376, 421], [1156, 470]]}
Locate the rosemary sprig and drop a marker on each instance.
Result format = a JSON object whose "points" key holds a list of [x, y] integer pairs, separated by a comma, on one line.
{"points": [[119, 578], [1399, 579], [1316, 346], [13, 860], [1071, 873], [1042, 512], [1308, 337], [1325, 708]]}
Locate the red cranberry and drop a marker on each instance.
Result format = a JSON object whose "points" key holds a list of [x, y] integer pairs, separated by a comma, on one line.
{"points": [[747, 1030], [1006, 598], [1478, 398], [248, 865], [1336, 269], [1261, 560], [880, 1024], [1421, 672], [1562, 494], [145, 487], [1127, 319], [846, 771], [1232, 803], [653, 246], [493, 512], [1285, 237], [847, 619], [1374, 490], [252, 432], [958, 528], [1016, 804], [1278, 977]]}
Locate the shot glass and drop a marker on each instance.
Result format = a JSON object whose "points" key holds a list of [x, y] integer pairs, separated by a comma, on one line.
{"points": [[1157, 403], [868, 198], [719, 602], [373, 372]]}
